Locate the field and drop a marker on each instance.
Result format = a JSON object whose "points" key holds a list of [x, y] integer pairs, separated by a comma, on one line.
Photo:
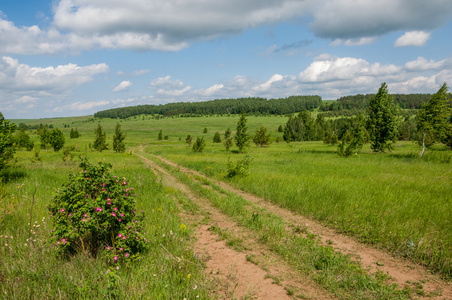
{"points": [[393, 201]]}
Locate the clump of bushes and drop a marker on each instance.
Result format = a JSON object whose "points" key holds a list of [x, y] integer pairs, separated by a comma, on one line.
{"points": [[239, 168], [95, 213]]}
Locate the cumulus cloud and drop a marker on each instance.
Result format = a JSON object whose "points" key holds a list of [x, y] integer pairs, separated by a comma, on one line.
{"points": [[123, 86], [422, 64], [412, 38], [146, 25], [350, 19], [22, 77], [167, 87]]}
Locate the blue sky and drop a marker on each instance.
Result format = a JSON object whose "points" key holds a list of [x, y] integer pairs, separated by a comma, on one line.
{"points": [[75, 57]]}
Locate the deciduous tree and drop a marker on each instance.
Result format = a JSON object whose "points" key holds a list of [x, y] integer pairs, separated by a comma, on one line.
{"points": [[432, 118], [381, 114], [57, 139], [6, 142], [242, 139]]}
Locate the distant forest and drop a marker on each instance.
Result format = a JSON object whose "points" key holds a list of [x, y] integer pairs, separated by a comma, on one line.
{"points": [[262, 106]]}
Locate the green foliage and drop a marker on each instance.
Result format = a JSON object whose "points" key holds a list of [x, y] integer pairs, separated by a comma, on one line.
{"points": [[217, 137], [205, 130], [228, 143], [304, 128], [239, 168], [242, 139], [56, 139], [280, 128], [257, 106], [74, 133], [381, 124], [6, 142], [44, 136], [160, 136], [95, 212], [23, 140], [432, 118], [118, 140], [199, 145], [100, 141], [189, 140], [261, 137]]}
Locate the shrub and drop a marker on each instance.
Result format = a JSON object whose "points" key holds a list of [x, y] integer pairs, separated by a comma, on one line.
{"points": [[95, 211], [240, 168], [217, 137], [199, 145]]}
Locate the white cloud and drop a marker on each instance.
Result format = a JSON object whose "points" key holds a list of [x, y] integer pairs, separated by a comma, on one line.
{"points": [[123, 86], [22, 77], [412, 38], [422, 64], [354, 42], [167, 87]]}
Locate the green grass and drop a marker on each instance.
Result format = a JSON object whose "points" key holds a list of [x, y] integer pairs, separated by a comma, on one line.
{"points": [[29, 268]]}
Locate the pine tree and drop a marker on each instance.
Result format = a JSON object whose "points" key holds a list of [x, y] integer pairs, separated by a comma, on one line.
{"points": [[227, 139], [188, 140], [261, 137], [381, 114], [217, 137], [118, 140], [199, 145], [100, 142], [160, 136], [242, 139]]}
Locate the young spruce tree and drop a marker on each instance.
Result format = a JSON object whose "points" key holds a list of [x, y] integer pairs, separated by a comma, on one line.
{"points": [[100, 143], [118, 140], [242, 139]]}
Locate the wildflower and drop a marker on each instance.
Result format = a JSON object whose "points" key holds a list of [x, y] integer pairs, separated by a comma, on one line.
{"points": [[84, 171], [87, 178], [119, 235], [108, 248], [115, 209], [122, 215], [115, 258], [113, 214], [120, 249], [62, 210], [119, 220], [131, 189], [70, 214], [124, 237], [108, 199], [99, 209], [124, 182], [85, 215], [103, 184], [64, 241], [188, 276], [58, 242], [109, 203], [127, 254], [127, 195], [83, 220], [133, 211]]}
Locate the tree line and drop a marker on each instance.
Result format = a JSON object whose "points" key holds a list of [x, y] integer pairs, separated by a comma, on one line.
{"points": [[253, 105]]}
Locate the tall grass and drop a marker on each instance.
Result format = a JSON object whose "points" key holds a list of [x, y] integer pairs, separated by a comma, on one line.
{"points": [[29, 268]]}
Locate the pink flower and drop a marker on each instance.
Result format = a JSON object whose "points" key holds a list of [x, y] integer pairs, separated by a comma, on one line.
{"points": [[131, 189], [119, 220], [70, 214], [84, 171], [133, 211], [83, 220], [85, 215], [127, 190], [120, 249], [136, 221], [115, 209], [127, 254], [115, 258], [108, 247], [122, 215], [120, 235], [137, 238], [127, 195], [99, 209], [113, 214], [103, 184], [64, 241], [124, 237], [87, 178], [124, 182], [58, 242], [108, 199], [62, 210], [109, 203]]}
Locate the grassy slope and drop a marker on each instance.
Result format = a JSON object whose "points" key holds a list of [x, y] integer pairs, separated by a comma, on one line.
{"points": [[393, 200]]}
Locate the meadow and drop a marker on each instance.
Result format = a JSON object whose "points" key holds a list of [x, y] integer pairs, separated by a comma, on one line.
{"points": [[392, 200]]}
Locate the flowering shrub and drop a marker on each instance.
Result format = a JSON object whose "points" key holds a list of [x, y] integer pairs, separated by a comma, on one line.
{"points": [[95, 211]]}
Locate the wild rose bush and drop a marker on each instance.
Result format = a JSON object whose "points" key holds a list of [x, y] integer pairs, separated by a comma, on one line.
{"points": [[96, 211]]}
